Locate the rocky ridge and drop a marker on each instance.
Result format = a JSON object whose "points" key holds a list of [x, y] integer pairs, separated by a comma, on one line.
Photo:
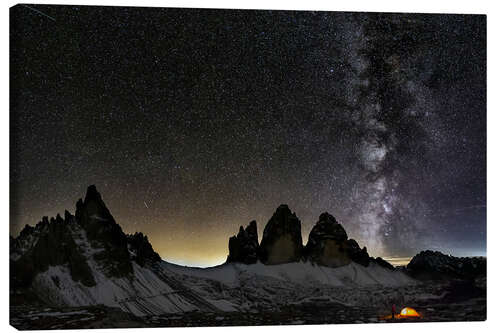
{"points": [[435, 265], [56, 241], [244, 246], [327, 245]]}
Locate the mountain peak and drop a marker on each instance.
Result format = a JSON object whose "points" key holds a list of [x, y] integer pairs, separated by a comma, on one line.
{"points": [[436, 265], [92, 194], [327, 217], [326, 243], [244, 246], [282, 238], [92, 208], [57, 241], [284, 210]]}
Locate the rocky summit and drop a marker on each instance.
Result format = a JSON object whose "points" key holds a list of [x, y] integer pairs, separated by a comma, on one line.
{"points": [[326, 243], [435, 265], [282, 238], [357, 254], [49, 243], [60, 242], [141, 250], [103, 231], [244, 246]]}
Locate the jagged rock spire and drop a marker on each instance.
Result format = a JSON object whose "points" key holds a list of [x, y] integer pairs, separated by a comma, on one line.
{"points": [[100, 226], [282, 238], [51, 243], [357, 254], [325, 245], [245, 245], [141, 249], [328, 244], [92, 208]]}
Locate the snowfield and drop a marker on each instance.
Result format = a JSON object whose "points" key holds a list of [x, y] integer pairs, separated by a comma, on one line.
{"points": [[256, 287], [352, 275], [167, 288]]}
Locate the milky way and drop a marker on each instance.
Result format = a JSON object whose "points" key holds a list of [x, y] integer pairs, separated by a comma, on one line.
{"points": [[193, 122]]}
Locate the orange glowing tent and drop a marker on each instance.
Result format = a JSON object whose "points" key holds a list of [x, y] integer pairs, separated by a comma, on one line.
{"points": [[405, 313], [408, 312]]}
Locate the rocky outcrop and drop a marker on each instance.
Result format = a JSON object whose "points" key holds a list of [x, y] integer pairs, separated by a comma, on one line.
{"points": [[325, 245], [141, 250], [358, 255], [58, 241], [244, 247], [49, 243], [102, 230], [381, 262], [328, 245], [435, 265], [282, 238]]}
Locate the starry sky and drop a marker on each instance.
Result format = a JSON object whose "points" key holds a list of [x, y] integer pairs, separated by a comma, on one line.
{"points": [[194, 122]]}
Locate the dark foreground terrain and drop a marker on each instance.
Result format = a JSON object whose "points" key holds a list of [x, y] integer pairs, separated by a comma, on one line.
{"points": [[457, 301]]}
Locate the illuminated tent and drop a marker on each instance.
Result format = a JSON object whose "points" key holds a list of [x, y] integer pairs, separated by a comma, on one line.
{"points": [[408, 312], [405, 313]]}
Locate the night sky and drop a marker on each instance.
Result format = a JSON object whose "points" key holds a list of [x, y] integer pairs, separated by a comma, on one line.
{"points": [[194, 122]]}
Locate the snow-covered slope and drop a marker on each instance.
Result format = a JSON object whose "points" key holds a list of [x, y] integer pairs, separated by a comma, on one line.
{"points": [[300, 272], [257, 286], [86, 259], [143, 292]]}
